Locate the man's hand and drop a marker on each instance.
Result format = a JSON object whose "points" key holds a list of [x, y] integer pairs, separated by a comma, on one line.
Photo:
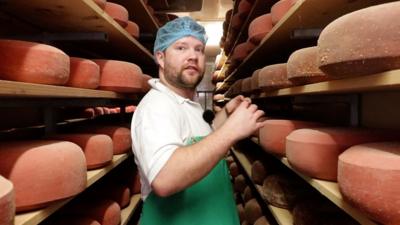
{"points": [[234, 103]]}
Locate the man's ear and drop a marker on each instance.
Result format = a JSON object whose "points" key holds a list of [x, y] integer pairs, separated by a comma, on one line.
{"points": [[160, 58]]}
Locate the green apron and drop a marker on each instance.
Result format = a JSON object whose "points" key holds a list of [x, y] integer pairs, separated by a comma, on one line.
{"points": [[209, 201]]}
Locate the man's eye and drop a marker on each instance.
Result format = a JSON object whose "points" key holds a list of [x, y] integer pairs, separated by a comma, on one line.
{"points": [[180, 48]]}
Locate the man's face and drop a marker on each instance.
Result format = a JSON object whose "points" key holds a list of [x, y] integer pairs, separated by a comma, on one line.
{"points": [[183, 63]]}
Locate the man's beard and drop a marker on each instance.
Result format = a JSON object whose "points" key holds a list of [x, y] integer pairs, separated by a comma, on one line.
{"points": [[177, 79]]}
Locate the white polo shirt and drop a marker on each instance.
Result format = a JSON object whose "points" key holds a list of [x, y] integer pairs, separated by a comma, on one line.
{"points": [[162, 122]]}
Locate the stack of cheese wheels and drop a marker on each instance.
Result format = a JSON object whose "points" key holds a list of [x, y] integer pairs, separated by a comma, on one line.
{"points": [[252, 211], [315, 152], [279, 9], [255, 87], [73, 220], [33, 63], [145, 84], [98, 148], [133, 29], [273, 77], [362, 42], [101, 3], [119, 76], [259, 28], [121, 137], [369, 178], [274, 132], [84, 73], [119, 13], [105, 211], [43, 171], [7, 202], [302, 67]]}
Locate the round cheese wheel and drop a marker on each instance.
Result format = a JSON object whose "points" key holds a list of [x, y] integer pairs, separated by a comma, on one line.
{"points": [[246, 86], [119, 76], [239, 183], [228, 16], [244, 8], [362, 42], [121, 137], [274, 77], [247, 195], [229, 160], [262, 221], [234, 169], [101, 3], [121, 194], [279, 9], [259, 28], [7, 202], [252, 211], [84, 73], [255, 87], [315, 152], [98, 148], [133, 29], [56, 170], [73, 220], [369, 179], [33, 63], [274, 132], [258, 172], [119, 13], [242, 50], [134, 183], [302, 67], [240, 210], [145, 83], [236, 22], [105, 211]]}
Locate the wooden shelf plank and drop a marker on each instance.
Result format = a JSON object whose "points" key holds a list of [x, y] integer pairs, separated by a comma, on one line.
{"points": [[159, 4], [35, 217], [126, 213], [389, 80], [81, 16], [22, 89], [278, 45], [331, 190], [282, 216], [139, 13]]}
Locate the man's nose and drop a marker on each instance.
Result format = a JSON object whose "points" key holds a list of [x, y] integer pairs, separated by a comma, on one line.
{"points": [[193, 54]]}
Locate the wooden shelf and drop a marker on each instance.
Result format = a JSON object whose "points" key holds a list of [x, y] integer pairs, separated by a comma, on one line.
{"points": [[331, 190], [139, 13], [127, 212], [385, 81], [305, 14], [35, 217], [159, 4], [81, 16], [22, 89], [282, 216]]}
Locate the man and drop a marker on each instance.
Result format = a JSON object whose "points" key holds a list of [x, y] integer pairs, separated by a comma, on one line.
{"points": [[184, 179]]}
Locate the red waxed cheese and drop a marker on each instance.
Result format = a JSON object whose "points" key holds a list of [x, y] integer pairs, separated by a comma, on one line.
{"points": [[273, 77], [369, 179], [362, 42], [119, 13], [117, 192], [101, 3], [274, 132], [302, 67], [43, 171], [145, 83], [133, 29], [121, 137], [315, 152], [98, 148], [259, 27], [119, 76], [252, 211], [73, 220], [84, 73], [242, 50], [105, 211], [279, 9], [7, 202], [33, 62], [134, 183]]}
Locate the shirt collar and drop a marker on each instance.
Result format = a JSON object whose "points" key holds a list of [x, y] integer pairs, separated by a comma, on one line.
{"points": [[157, 85]]}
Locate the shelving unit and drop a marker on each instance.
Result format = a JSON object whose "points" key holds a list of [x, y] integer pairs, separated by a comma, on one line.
{"points": [[127, 213], [81, 16], [35, 217], [282, 216]]}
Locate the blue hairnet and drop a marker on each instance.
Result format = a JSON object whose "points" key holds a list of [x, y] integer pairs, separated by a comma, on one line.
{"points": [[177, 29]]}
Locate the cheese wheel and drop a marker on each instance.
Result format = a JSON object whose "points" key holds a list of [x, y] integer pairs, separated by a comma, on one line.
{"points": [[369, 179], [73, 220], [56, 170], [134, 183], [274, 132], [7, 202], [315, 152], [119, 76], [239, 183], [98, 148], [234, 169], [119, 193], [101, 3], [121, 137], [133, 29], [255, 87], [252, 211], [33, 63], [246, 86], [236, 23], [119, 13], [262, 221], [244, 8], [258, 172], [105, 211], [279, 9], [229, 160], [247, 194], [84, 73], [240, 210], [273, 77], [145, 83], [259, 28], [362, 42], [241, 51], [302, 67]]}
